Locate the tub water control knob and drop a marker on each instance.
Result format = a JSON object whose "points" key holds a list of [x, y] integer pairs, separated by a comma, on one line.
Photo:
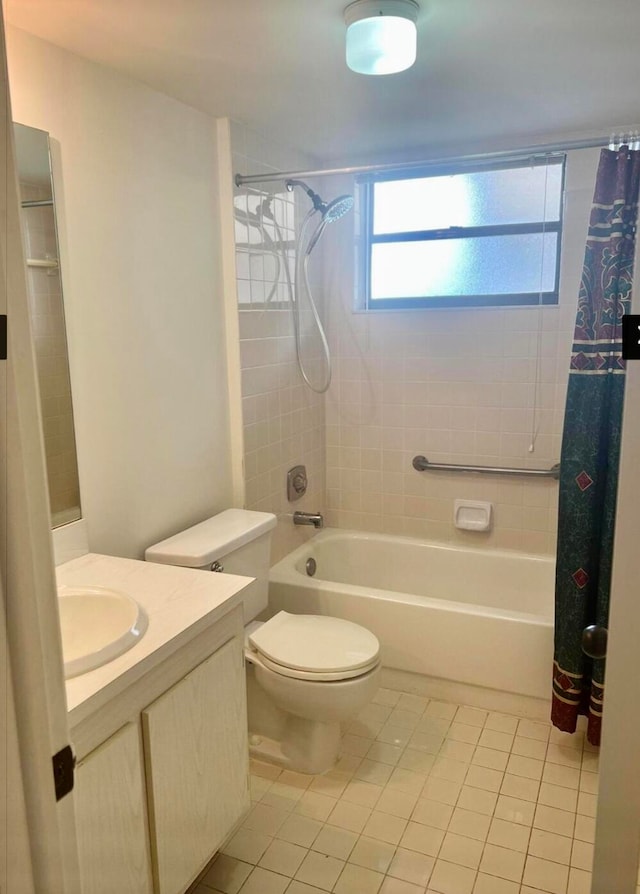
{"points": [[296, 483]]}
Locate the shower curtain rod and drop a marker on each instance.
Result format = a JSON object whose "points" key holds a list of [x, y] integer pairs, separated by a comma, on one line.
{"points": [[544, 149]]}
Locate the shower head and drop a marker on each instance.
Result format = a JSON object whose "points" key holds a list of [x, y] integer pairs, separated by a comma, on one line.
{"points": [[337, 208], [330, 211]]}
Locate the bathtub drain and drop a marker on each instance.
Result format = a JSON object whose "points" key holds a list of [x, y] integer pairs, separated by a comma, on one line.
{"points": [[311, 567]]}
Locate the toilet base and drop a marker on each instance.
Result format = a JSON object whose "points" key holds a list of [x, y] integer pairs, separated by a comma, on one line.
{"points": [[279, 723], [312, 746], [307, 746], [297, 743]]}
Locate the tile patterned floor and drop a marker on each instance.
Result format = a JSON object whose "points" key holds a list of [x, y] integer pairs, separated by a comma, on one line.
{"points": [[428, 797]]}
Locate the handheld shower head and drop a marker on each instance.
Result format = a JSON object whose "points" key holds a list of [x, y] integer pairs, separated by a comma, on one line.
{"points": [[337, 208], [330, 211]]}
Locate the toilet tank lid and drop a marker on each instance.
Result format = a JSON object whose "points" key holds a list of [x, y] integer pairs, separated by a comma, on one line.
{"points": [[211, 539]]}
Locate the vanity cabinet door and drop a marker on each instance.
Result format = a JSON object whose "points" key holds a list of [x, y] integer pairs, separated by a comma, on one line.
{"points": [[196, 753], [111, 817]]}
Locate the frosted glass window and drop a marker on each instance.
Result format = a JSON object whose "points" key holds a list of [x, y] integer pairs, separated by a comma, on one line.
{"points": [[485, 236], [478, 199], [492, 265]]}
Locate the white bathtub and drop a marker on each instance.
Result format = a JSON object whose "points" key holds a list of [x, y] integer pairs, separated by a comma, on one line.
{"points": [[483, 617]]}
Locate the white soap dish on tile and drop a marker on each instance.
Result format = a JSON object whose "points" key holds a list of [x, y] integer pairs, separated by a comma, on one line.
{"points": [[472, 515]]}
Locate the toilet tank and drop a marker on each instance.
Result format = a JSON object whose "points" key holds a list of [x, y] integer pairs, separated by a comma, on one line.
{"points": [[237, 539]]}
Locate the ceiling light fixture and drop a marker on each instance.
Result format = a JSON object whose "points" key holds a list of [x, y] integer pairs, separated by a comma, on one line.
{"points": [[381, 35]]}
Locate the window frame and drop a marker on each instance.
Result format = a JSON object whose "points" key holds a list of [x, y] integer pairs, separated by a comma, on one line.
{"points": [[519, 299]]}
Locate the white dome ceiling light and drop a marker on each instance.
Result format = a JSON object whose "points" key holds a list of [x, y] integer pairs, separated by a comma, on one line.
{"points": [[381, 35]]}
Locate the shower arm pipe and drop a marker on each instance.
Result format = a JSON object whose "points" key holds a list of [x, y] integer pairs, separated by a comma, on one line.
{"points": [[422, 464], [510, 155]]}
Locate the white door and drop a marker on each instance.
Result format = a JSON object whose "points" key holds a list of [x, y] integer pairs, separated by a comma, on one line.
{"points": [[15, 857], [39, 852], [615, 865]]}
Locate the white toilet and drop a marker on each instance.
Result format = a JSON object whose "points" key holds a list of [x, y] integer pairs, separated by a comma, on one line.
{"points": [[306, 674]]}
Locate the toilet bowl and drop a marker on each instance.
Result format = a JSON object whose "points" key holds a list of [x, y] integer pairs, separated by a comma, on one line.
{"points": [[307, 675], [318, 672]]}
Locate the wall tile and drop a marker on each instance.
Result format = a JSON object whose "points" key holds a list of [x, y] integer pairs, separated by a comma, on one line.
{"points": [[458, 386]]}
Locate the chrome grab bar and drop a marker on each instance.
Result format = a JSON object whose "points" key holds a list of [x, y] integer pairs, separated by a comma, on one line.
{"points": [[422, 464]]}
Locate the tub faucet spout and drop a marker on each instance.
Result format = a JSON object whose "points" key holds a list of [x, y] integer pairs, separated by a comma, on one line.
{"points": [[308, 518]]}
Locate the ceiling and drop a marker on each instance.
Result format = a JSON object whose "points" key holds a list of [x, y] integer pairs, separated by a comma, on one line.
{"points": [[490, 73]]}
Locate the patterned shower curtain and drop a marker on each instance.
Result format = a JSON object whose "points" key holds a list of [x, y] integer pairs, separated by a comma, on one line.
{"points": [[591, 442]]}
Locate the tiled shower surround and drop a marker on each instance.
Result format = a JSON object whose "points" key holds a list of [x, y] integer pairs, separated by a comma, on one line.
{"points": [[408, 386], [283, 419], [461, 385], [466, 386]]}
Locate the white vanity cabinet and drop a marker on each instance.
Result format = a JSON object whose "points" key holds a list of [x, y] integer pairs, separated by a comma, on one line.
{"points": [[164, 779], [196, 786], [111, 817]]}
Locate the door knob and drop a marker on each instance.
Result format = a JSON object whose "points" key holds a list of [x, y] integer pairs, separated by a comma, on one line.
{"points": [[594, 641]]}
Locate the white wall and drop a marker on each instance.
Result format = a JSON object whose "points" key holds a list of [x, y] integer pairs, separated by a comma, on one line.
{"points": [[139, 235]]}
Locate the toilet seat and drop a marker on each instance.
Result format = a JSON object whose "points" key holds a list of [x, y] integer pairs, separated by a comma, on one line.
{"points": [[314, 647], [317, 676]]}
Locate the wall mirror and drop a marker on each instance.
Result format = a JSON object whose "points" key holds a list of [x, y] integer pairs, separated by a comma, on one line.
{"points": [[44, 284]]}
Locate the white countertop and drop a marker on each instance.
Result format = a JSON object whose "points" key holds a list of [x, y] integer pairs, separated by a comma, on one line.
{"points": [[180, 603]]}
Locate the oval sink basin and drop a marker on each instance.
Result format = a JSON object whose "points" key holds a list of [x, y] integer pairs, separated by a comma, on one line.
{"points": [[97, 626]]}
